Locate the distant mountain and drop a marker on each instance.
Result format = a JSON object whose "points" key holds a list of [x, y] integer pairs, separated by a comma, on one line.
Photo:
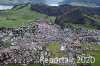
{"points": [[51, 10], [90, 3], [14, 2]]}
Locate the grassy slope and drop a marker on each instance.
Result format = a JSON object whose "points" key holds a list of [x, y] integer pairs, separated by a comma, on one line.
{"points": [[96, 54], [17, 16], [52, 19], [96, 19], [87, 25], [55, 49], [83, 26]]}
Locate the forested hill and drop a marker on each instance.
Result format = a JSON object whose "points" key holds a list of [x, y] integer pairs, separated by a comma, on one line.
{"points": [[75, 16], [59, 10], [79, 19]]}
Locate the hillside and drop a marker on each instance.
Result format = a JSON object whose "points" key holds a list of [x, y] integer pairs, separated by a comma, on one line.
{"points": [[87, 3], [77, 16], [79, 19], [59, 10], [18, 16]]}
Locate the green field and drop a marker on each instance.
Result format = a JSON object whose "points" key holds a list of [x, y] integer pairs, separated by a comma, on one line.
{"points": [[5, 45], [81, 26], [14, 65], [19, 16], [34, 65], [55, 49], [95, 54]]}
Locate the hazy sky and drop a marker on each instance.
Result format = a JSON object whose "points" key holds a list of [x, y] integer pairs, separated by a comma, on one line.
{"points": [[54, 1]]}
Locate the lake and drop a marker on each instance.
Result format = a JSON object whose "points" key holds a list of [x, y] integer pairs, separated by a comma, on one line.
{"points": [[5, 7]]}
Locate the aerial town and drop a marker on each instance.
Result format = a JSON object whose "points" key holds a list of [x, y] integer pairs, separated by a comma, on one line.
{"points": [[28, 44]]}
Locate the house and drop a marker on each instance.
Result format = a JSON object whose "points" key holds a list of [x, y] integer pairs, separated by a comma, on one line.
{"points": [[62, 48], [76, 45]]}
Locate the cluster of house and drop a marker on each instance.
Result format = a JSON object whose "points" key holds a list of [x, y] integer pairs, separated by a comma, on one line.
{"points": [[27, 42]]}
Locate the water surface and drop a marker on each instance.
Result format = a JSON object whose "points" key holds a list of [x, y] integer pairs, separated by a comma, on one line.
{"points": [[5, 7]]}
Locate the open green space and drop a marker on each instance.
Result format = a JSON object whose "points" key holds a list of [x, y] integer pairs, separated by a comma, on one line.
{"points": [[57, 65], [82, 26], [14, 65], [34, 65], [5, 45], [95, 54], [19, 16], [55, 49]]}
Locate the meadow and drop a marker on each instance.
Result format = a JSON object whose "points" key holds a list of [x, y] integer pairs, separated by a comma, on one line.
{"points": [[95, 54], [20, 15]]}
